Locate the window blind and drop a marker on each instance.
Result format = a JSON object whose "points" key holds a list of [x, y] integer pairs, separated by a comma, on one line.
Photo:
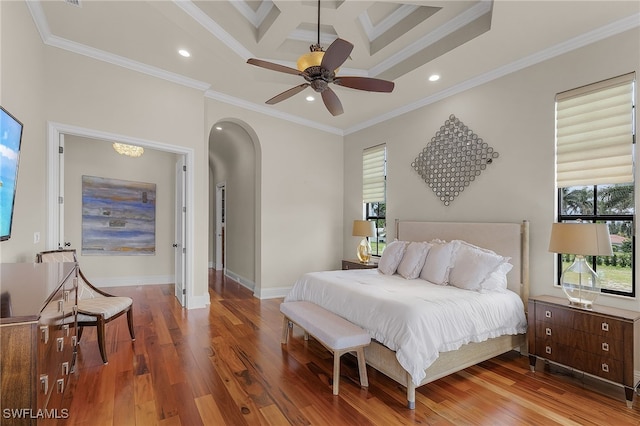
{"points": [[374, 174], [594, 133]]}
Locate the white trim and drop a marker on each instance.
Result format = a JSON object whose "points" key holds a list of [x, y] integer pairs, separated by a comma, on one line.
{"points": [[240, 280], [54, 130], [272, 293]]}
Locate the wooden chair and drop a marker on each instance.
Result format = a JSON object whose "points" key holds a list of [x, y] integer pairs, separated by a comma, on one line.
{"points": [[95, 307]]}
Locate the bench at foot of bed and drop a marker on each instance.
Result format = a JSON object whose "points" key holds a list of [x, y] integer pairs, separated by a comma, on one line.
{"points": [[333, 332]]}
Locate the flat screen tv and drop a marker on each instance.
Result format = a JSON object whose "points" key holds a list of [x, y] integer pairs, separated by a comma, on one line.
{"points": [[10, 139]]}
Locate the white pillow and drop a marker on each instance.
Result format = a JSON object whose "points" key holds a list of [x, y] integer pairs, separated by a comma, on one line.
{"points": [[438, 263], [391, 257], [413, 260], [497, 280], [472, 265]]}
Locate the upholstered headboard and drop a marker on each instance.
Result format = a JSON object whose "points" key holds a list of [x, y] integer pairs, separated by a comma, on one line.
{"points": [[506, 239]]}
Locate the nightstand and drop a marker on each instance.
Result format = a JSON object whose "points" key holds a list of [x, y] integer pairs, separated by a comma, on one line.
{"points": [[356, 264], [603, 341]]}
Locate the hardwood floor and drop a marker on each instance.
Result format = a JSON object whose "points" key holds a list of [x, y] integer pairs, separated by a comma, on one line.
{"points": [[224, 365]]}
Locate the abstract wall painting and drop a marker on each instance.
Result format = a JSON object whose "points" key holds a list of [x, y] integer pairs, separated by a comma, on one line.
{"points": [[118, 217]]}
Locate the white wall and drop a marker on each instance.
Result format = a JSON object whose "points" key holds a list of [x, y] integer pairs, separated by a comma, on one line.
{"points": [[91, 157], [515, 115], [301, 198], [21, 87]]}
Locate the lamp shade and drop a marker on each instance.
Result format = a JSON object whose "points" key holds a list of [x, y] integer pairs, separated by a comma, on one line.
{"points": [[586, 239], [363, 228]]}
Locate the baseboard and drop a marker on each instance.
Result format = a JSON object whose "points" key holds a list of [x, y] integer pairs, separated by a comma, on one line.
{"points": [[240, 279], [272, 293], [132, 280]]}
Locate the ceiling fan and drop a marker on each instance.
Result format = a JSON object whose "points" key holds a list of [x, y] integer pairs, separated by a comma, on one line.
{"points": [[319, 68]]}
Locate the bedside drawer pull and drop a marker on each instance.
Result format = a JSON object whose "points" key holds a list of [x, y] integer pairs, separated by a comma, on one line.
{"points": [[547, 349], [60, 344], [60, 385], [74, 340], [44, 334], [547, 314], [547, 331], [65, 368], [605, 367], [65, 328], [60, 305], [66, 295], [605, 326], [44, 383], [605, 346]]}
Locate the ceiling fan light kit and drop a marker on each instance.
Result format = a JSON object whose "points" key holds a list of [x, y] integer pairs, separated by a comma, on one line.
{"points": [[319, 69]]}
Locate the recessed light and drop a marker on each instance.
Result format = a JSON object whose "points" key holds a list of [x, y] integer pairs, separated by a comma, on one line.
{"points": [[218, 127], [434, 77], [184, 52], [310, 98]]}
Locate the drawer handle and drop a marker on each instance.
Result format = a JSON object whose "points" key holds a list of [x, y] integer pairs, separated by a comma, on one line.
{"points": [[605, 326], [74, 340], [605, 367], [60, 305], [60, 344], [44, 383], [65, 368], [60, 385], [44, 334], [66, 295], [65, 328], [547, 349], [547, 314], [605, 346], [547, 331]]}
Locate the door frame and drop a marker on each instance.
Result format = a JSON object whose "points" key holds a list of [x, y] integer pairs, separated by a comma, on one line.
{"points": [[221, 193], [55, 179]]}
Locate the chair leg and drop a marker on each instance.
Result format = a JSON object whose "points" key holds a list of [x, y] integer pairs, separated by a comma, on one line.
{"points": [[362, 368], [336, 371], [285, 331], [100, 328], [130, 322]]}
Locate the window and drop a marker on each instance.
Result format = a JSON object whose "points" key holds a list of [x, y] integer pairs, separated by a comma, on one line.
{"points": [[595, 137], [374, 193]]}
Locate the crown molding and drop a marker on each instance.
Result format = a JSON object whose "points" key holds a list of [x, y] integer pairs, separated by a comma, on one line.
{"points": [[601, 33], [211, 94]]}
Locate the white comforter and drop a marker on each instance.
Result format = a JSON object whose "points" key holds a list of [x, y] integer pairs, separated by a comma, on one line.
{"points": [[415, 318]]}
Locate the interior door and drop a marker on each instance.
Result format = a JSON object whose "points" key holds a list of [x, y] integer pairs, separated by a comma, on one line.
{"points": [[179, 246], [220, 225], [61, 241]]}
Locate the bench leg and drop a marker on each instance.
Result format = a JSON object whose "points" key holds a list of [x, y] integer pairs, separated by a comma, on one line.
{"points": [[336, 371], [362, 368], [285, 331]]}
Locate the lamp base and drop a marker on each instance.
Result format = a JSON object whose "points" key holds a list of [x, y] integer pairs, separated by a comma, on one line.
{"points": [[580, 284], [364, 251]]}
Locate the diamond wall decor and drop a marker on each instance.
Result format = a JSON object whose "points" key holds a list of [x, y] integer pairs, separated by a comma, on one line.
{"points": [[453, 159]]}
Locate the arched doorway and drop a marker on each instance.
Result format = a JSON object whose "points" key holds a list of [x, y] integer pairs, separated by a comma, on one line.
{"points": [[235, 171]]}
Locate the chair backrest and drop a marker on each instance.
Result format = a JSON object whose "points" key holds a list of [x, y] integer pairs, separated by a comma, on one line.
{"points": [[68, 255]]}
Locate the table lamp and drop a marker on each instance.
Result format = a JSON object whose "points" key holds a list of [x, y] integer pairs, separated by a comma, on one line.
{"points": [[364, 229], [579, 282]]}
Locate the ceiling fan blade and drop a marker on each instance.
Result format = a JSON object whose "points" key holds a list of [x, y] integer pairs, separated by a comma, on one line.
{"points": [[287, 94], [332, 102], [366, 83], [272, 66], [336, 54]]}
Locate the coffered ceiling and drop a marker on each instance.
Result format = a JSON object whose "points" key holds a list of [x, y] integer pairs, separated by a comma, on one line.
{"points": [[466, 42]]}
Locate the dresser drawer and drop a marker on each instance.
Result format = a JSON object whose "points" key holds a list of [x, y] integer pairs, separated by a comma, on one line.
{"points": [[601, 345], [580, 320]]}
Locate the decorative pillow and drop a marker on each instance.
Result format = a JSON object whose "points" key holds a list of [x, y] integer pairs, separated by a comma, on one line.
{"points": [[438, 263], [391, 257], [472, 265], [413, 260], [497, 280]]}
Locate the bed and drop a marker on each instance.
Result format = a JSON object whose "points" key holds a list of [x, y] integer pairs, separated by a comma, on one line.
{"points": [[395, 350]]}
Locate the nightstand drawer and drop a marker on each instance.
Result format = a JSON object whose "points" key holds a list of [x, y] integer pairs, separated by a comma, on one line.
{"points": [[591, 343], [583, 321]]}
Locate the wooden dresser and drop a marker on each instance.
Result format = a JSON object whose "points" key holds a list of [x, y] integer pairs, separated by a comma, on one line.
{"points": [[38, 340], [603, 341]]}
